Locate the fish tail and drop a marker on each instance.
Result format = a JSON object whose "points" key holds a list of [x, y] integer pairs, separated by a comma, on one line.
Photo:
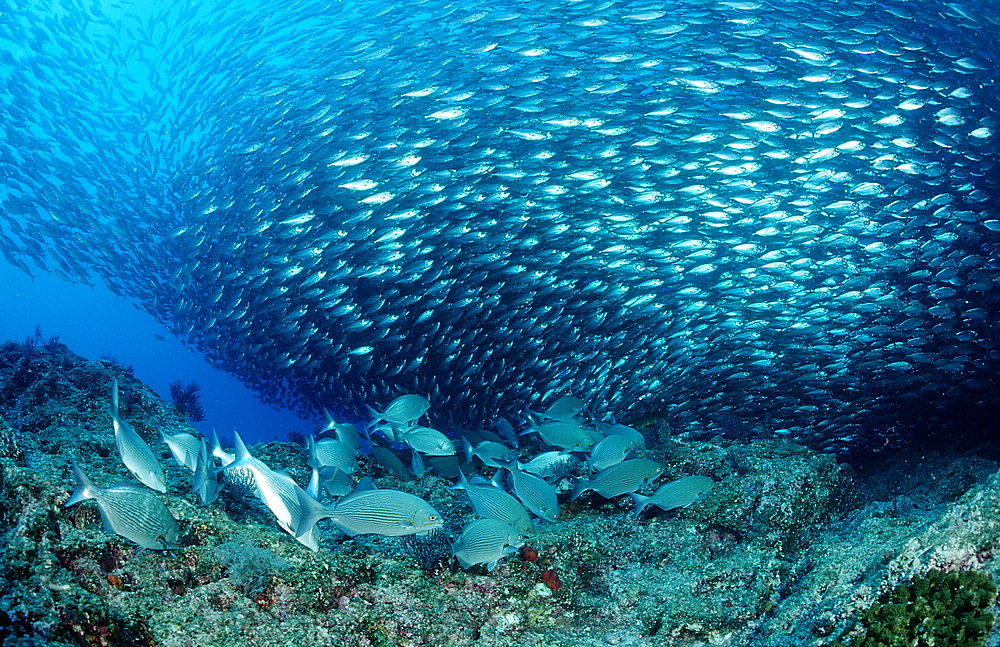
{"points": [[463, 482], [640, 503], [579, 487], [311, 512], [313, 489], [328, 420], [467, 449], [241, 449], [84, 486]]}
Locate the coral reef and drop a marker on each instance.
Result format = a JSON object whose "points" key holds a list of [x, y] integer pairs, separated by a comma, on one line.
{"points": [[791, 547], [187, 400]]}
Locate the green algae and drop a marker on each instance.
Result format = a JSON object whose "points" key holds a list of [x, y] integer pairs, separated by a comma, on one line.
{"points": [[936, 610]]}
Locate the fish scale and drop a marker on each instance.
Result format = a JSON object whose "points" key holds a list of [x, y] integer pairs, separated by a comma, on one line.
{"points": [[241, 168]]}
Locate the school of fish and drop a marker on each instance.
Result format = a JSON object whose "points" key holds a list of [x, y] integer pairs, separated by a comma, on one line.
{"points": [[744, 213], [504, 523]]}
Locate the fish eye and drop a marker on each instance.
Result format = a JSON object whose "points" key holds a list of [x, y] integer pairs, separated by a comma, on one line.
{"points": [[433, 517]]}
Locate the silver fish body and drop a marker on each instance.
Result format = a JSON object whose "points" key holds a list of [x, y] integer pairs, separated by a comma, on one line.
{"points": [[405, 409], [129, 511], [485, 541], [675, 494], [550, 464], [184, 448], [535, 493], [491, 453], [330, 452], [386, 512], [134, 451], [611, 450], [282, 496], [206, 476], [621, 478], [493, 503], [425, 440]]}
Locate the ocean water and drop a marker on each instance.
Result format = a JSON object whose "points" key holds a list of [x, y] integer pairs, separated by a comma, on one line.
{"points": [[96, 323], [746, 217]]}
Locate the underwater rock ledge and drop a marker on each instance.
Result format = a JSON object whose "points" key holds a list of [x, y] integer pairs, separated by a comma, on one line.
{"points": [[788, 549]]}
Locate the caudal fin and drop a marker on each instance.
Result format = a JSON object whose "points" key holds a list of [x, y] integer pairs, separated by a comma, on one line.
{"points": [[640, 503], [310, 512], [85, 488], [579, 487]]}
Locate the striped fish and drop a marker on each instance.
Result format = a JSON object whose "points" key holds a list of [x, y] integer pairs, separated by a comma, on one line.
{"points": [[206, 476], [386, 512], [134, 452], [634, 436], [184, 448], [675, 494], [278, 491], [404, 410], [425, 440], [564, 409], [485, 541], [535, 492], [345, 432], [570, 436], [493, 503], [330, 452], [130, 511], [490, 452], [622, 478], [610, 451]]}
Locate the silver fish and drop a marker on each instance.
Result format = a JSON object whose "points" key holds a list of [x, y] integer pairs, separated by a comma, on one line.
{"points": [[134, 452], [345, 432], [675, 494], [549, 464], [489, 452], [404, 410], [206, 476], [425, 440], [610, 451], [129, 511], [618, 479], [534, 492], [493, 503], [485, 541], [568, 436], [749, 241], [278, 492], [330, 452], [184, 448], [216, 450], [636, 439], [564, 409], [379, 511]]}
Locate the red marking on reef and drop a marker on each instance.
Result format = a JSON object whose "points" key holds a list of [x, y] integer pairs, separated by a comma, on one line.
{"points": [[551, 579]]}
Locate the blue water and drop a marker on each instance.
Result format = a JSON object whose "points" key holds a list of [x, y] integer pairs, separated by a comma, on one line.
{"points": [[97, 324]]}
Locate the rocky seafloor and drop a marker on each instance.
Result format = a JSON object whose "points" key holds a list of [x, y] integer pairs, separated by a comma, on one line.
{"points": [[791, 547]]}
